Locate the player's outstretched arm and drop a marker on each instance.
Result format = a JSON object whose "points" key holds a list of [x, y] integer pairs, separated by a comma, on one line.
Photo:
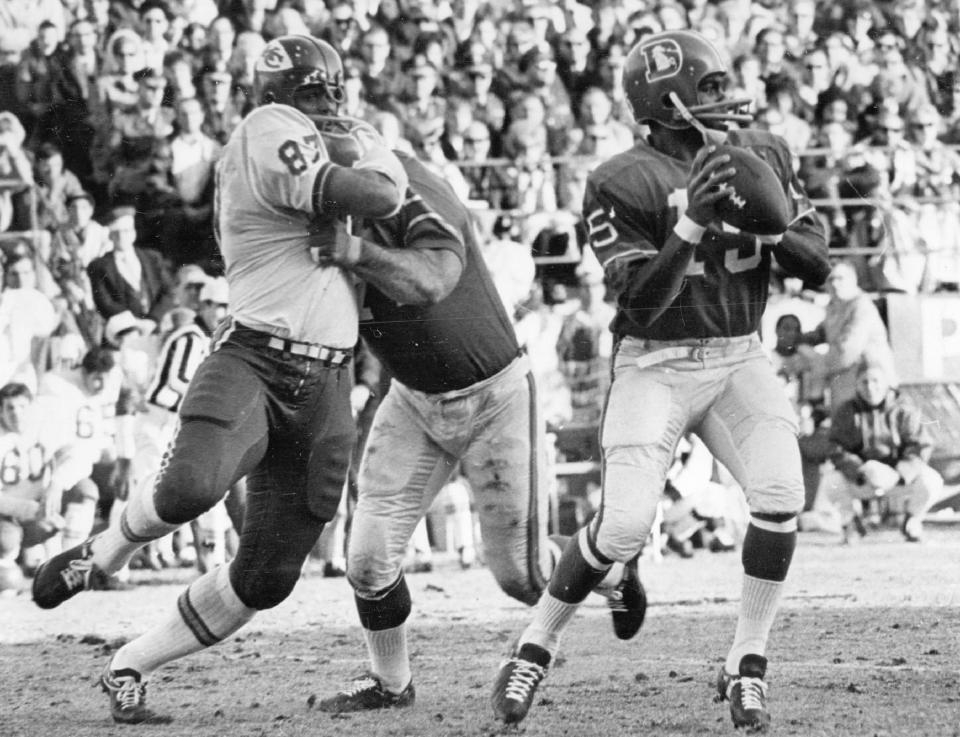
{"points": [[412, 276]]}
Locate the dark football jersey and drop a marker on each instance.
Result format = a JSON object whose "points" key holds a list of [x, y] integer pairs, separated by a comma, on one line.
{"points": [[466, 337], [631, 205]]}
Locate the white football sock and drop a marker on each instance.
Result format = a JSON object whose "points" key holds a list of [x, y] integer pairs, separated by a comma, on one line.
{"points": [[388, 656], [136, 525], [550, 618], [207, 612], [759, 603]]}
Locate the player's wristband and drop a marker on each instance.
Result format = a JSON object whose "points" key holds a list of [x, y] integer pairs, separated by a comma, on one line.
{"points": [[689, 230]]}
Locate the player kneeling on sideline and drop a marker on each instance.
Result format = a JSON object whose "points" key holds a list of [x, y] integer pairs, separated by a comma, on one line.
{"points": [[880, 445], [272, 400], [462, 392], [690, 292], [46, 495]]}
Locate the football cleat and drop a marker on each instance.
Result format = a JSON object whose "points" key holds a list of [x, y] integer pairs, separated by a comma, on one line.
{"points": [[128, 697], [517, 683], [747, 694], [628, 603], [66, 575], [366, 693]]}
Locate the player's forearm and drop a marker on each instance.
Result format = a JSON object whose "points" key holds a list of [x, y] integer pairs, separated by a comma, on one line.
{"points": [[420, 277], [803, 253], [360, 193], [653, 287]]}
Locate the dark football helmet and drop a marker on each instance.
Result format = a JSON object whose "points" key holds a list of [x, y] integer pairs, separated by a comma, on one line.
{"points": [[290, 63], [676, 62]]}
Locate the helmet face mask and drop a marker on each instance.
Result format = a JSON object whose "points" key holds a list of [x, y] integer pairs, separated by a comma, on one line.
{"points": [[300, 70], [685, 64]]}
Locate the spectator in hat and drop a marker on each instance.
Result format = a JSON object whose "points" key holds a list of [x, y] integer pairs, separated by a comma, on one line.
{"points": [[420, 107], [540, 69], [117, 90], [486, 106], [782, 95], [881, 447], [128, 278], [139, 147]]}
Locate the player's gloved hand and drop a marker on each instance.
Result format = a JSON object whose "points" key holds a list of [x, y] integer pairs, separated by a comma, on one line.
{"points": [[332, 243], [707, 185]]}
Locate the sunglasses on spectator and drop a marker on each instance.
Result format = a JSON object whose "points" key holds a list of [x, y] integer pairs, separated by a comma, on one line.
{"points": [[924, 124], [343, 22], [476, 140], [887, 46], [892, 129]]}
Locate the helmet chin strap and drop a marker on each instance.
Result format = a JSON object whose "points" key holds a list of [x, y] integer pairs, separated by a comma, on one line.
{"points": [[709, 136]]}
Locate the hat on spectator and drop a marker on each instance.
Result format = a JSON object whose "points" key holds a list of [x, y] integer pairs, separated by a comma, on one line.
{"points": [[81, 195], [420, 66], [216, 290], [536, 56], [119, 325], [192, 274], [119, 213]]}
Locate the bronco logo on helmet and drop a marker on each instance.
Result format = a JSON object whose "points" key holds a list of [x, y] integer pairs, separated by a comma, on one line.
{"points": [[664, 59]]}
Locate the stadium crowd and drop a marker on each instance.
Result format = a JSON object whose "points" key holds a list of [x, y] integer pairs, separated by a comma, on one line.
{"points": [[113, 114]]}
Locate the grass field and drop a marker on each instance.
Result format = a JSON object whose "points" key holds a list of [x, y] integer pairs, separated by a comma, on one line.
{"points": [[868, 643]]}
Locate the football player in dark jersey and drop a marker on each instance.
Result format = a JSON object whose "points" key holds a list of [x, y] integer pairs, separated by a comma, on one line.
{"points": [[462, 393], [690, 291]]}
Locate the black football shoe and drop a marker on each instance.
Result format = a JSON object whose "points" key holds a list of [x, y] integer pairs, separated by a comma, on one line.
{"points": [[66, 575], [747, 694], [628, 603], [517, 683], [128, 697], [366, 693]]}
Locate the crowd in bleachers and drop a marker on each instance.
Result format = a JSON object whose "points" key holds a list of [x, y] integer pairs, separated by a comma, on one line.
{"points": [[113, 114]]}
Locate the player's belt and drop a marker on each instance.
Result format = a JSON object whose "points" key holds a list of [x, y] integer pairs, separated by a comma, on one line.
{"points": [[330, 356]]}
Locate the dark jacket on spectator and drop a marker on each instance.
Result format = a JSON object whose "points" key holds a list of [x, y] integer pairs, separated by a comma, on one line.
{"points": [[893, 433], [112, 293]]}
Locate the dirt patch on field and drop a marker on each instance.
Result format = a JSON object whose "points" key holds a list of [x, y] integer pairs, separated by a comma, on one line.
{"points": [[868, 643]]}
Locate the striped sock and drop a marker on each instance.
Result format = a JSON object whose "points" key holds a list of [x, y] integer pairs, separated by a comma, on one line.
{"points": [[136, 525], [208, 612]]}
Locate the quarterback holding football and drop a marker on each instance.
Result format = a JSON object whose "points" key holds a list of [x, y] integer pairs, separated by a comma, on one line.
{"points": [[686, 231]]}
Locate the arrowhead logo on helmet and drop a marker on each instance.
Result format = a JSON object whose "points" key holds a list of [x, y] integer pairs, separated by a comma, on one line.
{"points": [[274, 58]]}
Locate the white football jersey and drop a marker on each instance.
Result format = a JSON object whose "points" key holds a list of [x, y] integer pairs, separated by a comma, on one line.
{"points": [[266, 182], [29, 458], [89, 418]]}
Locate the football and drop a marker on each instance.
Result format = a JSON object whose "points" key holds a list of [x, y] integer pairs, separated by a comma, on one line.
{"points": [[757, 203]]}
